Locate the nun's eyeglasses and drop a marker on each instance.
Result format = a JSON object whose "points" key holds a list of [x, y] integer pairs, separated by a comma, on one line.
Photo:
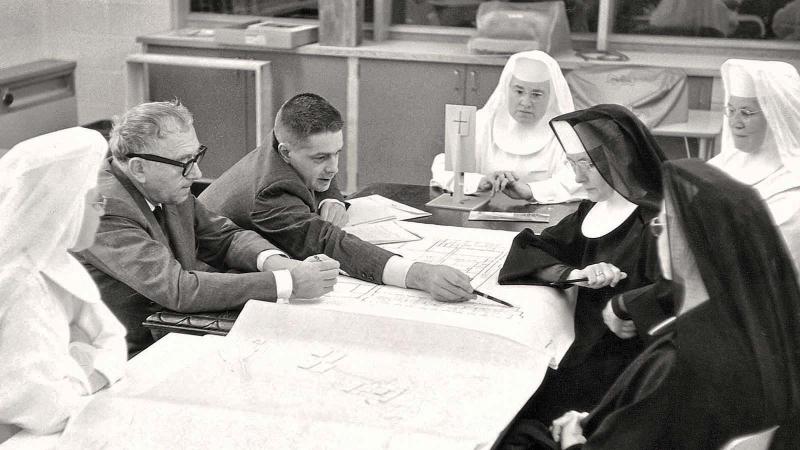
{"points": [[582, 164], [746, 113], [656, 227], [186, 166], [99, 204]]}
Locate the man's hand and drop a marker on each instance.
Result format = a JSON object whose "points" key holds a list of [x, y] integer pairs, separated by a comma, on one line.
{"points": [[314, 277], [625, 329], [567, 429], [444, 283], [598, 275], [334, 212]]}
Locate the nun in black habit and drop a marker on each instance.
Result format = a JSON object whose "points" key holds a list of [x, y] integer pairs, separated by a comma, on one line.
{"points": [[606, 242], [729, 363]]}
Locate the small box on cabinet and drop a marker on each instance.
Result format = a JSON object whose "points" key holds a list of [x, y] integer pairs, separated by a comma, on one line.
{"points": [[269, 34]]}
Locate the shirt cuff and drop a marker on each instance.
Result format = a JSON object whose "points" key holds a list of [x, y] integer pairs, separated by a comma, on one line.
{"points": [[261, 260], [395, 271], [326, 200], [283, 284]]}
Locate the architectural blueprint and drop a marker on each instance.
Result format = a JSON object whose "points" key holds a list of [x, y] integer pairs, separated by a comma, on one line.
{"points": [[295, 377], [541, 317]]}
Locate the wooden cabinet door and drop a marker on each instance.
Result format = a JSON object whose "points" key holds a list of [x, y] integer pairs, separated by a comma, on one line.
{"points": [[218, 100], [480, 83], [401, 118]]}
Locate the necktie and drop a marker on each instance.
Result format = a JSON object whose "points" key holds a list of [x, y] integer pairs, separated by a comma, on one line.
{"points": [[158, 211], [161, 218]]}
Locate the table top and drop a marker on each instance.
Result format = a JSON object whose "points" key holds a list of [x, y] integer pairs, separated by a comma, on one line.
{"points": [[701, 124], [417, 196], [412, 195]]}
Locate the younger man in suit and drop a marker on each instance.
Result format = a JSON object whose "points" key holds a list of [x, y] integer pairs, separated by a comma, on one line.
{"points": [[155, 243], [287, 193]]}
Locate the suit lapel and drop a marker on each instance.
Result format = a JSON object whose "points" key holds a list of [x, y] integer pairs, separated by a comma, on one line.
{"points": [[182, 236], [155, 229]]}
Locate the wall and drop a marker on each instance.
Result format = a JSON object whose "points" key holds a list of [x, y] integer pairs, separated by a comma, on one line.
{"points": [[20, 31], [98, 34]]}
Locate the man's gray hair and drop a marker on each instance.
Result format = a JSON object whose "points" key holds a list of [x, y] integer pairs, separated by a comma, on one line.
{"points": [[138, 130]]}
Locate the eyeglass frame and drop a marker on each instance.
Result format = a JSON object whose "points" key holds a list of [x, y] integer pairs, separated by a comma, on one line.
{"points": [[187, 166], [99, 205], [746, 114], [656, 227], [583, 164]]}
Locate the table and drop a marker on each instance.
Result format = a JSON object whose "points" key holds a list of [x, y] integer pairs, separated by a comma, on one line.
{"points": [[220, 323], [704, 125], [417, 196], [293, 377]]}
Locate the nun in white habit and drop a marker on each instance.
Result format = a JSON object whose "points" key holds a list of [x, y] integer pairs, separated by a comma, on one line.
{"points": [[761, 138], [515, 150], [58, 340]]}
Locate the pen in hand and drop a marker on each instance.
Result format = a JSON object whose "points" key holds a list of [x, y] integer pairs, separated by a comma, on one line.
{"points": [[576, 280], [560, 284], [494, 299]]}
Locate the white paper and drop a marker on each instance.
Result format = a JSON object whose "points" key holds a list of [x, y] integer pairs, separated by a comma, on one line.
{"points": [[376, 208], [288, 376], [542, 317], [385, 232]]}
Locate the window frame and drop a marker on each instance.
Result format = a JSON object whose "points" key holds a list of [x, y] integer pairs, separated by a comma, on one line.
{"points": [[605, 38]]}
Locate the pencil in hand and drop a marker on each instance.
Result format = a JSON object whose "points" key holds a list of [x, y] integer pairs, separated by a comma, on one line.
{"points": [[494, 299]]}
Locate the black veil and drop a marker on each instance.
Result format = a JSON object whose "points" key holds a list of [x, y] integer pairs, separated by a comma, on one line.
{"points": [[623, 150], [753, 310]]}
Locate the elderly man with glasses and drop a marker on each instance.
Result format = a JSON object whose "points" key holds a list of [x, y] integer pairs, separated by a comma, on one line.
{"points": [[158, 247]]}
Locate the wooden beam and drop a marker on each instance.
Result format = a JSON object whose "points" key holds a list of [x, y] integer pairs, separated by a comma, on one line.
{"points": [[352, 123]]}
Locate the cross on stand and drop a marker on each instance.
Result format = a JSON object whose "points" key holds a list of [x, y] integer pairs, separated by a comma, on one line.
{"points": [[460, 150], [462, 130]]}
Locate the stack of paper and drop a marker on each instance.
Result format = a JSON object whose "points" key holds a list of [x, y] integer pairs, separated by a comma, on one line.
{"points": [[386, 232], [372, 218], [376, 208]]}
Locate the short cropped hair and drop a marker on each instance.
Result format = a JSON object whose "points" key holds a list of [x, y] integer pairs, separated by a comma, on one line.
{"points": [[305, 115], [139, 129]]}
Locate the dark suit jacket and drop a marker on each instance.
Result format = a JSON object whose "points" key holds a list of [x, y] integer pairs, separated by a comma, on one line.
{"points": [[139, 270], [262, 192]]}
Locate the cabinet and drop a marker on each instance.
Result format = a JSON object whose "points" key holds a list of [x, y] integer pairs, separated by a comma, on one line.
{"points": [[223, 110], [294, 74], [36, 98], [220, 101], [401, 114]]}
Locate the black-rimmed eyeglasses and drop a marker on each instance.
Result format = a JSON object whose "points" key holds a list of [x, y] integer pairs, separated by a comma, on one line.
{"points": [[187, 166]]}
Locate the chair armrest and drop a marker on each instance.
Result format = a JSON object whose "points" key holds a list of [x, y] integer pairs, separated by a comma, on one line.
{"points": [[218, 323]]}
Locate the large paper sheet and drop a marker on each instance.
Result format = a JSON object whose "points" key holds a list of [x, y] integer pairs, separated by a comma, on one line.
{"points": [[289, 377], [377, 208], [541, 319]]}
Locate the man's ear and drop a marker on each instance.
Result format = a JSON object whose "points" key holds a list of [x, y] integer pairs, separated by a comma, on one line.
{"points": [[283, 150], [136, 169]]}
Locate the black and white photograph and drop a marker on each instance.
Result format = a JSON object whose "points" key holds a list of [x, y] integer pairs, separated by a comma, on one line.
{"points": [[400, 224]]}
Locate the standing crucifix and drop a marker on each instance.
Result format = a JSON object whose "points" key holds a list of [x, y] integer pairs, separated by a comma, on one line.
{"points": [[459, 148]]}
